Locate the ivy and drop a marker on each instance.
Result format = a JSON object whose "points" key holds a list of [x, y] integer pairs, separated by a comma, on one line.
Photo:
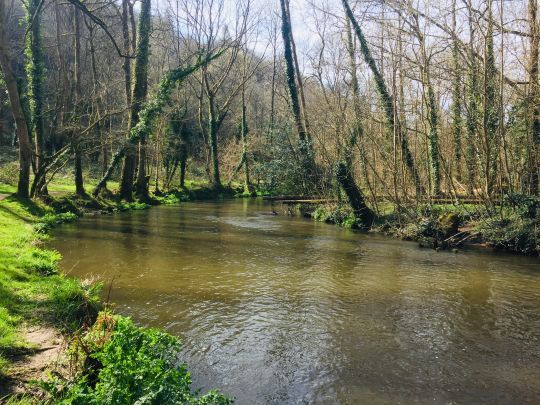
{"points": [[151, 110]]}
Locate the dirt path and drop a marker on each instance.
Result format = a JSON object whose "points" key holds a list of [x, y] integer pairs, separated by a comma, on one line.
{"points": [[46, 354]]}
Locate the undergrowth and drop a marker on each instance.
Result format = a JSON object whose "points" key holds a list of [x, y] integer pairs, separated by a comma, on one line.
{"points": [[125, 364]]}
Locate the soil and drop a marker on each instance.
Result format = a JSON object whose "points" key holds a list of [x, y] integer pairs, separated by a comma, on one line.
{"points": [[45, 354]]}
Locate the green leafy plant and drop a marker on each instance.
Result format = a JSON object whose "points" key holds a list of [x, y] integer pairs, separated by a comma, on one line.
{"points": [[130, 365], [49, 221]]}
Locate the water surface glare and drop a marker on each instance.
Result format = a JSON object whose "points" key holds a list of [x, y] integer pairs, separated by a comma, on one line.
{"points": [[286, 310]]}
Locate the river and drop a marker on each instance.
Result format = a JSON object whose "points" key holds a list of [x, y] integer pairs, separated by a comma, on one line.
{"points": [[276, 309]]}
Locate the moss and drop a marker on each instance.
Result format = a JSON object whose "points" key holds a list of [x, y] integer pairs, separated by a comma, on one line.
{"points": [[340, 215]]}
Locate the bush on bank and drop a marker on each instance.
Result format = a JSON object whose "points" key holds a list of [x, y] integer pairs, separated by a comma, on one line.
{"points": [[126, 364], [513, 226]]}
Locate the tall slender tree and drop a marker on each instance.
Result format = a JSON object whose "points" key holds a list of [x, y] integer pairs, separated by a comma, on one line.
{"points": [[306, 150], [35, 73], [457, 122], [490, 114], [534, 99], [140, 90], [22, 130]]}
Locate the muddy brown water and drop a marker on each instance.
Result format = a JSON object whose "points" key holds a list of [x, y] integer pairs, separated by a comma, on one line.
{"points": [[274, 309]]}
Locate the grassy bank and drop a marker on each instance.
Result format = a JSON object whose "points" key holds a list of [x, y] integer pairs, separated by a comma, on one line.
{"points": [[109, 361], [32, 292]]}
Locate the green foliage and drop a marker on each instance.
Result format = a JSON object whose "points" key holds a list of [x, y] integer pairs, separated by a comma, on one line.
{"points": [[133, 206], [134, 365], [283, 170], [518, 230], [9, 172], [169, 199], [525, 206], [49, 221], [152, 109], [339, 215], [202, 191], [515, 234]]}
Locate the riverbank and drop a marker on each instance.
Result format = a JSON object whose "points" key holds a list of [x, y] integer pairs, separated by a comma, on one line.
{"points": [[512, 226], [35, 299], [48, 328]]}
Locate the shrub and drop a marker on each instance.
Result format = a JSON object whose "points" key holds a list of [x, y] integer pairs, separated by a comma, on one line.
{"points": [[9, 173], [339, 215], [131, 365], [515, 233], [49, 221]]}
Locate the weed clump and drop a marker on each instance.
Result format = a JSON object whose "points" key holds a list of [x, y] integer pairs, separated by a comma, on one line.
{"points": [[126, 364], [518, 230]]}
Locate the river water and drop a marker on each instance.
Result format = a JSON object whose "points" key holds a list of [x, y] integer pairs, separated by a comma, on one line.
{"points": [[274, 309]]}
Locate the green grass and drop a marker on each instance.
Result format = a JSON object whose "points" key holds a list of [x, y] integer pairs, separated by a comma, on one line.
{"points": [[59, 186], [31, 289]]}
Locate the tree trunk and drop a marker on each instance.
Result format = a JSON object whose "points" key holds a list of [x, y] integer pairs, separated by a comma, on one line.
{"points": [[472, 111], [490, 115], [456, 98], [183, 165], [299, 80], [534, 96], [431, 105], [305, 146], [79, 181], [23, 134], [140, 89], [34, 71], [212, 138], [126, 66], [356, 199]]}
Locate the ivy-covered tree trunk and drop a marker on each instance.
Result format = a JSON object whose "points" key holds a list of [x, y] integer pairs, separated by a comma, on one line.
{"points": [[457, 124], [76, 143], [23, 134], [140, 89], [126, 65], [150, 111], [534, 97], [357, 130], [305, 145], [355, 197], [431, 105], [490, 114], [34, 72], [244, 134], [387, 101], [472, 112], [344, 170], [213, 126], [299, 81], [142, 177]]}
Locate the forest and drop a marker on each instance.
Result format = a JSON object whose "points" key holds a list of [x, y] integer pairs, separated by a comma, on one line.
{"points": [[389, 104], [411, 118]]}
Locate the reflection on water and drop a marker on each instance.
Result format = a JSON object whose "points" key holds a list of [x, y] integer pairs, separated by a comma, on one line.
{"points": [[286, 310]]}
